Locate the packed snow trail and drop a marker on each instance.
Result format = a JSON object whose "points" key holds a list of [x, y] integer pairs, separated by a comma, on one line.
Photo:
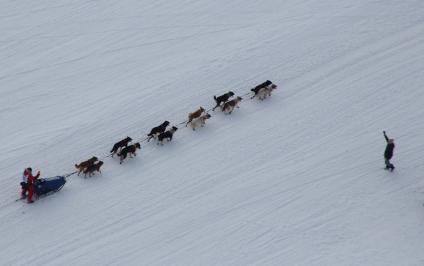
{"points": [[297, 179]]}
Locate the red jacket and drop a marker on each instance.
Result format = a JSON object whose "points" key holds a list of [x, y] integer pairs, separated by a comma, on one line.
{"points": [[31, 179]]}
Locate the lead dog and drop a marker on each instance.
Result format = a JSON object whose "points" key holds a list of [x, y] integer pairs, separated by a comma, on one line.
{"points": [[93, 168], [199, 122], [195, 114], [119, 145], [222, 99], [157, 130], [84, 165], [167, 135], [265, 92], [229, 106], [129, 150]]}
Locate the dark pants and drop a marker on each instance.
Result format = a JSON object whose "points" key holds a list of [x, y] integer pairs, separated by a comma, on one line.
{"points": [[24, 187], [389, 165]]}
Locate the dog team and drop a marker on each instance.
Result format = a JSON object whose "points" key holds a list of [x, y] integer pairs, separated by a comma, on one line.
{"points": [[160, 133]]}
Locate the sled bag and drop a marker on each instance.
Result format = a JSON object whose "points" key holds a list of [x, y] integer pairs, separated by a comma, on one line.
{"points": [[51, 184]]}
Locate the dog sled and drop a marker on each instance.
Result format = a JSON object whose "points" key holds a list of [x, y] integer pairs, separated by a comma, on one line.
{"points": [[46, 186]]}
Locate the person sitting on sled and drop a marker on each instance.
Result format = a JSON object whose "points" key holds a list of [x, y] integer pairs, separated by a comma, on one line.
{"points": [[27, 184]]}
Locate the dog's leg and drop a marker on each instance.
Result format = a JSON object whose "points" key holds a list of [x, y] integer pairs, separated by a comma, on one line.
{"points": [[189, 121]]}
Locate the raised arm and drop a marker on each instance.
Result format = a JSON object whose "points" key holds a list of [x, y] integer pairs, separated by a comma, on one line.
{"points": [[385, 136]]}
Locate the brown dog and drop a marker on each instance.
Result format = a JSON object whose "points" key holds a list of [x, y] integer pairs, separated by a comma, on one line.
{"points": [[199, 122], [229, 106], [84, 165], [93, 168], [130, 150], [194, 115]]}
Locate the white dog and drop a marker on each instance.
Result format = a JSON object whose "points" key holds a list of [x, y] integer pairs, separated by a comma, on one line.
{"points": [[266, 92], [200, 121], [229, 106]]}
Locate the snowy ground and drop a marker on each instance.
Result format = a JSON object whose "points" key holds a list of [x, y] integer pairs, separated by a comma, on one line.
{"points": [[295, 180]]}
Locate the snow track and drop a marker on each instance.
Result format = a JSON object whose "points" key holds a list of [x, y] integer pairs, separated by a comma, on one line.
{"points": [[294, 180]]}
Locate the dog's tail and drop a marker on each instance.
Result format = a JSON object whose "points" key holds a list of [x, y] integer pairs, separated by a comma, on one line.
{"points": [[214, 98], [76, 166]]}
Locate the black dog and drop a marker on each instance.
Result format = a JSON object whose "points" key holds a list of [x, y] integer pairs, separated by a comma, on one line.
{"points": [[260, 86], [222, 99], [129, 150], [119, 145], [166, 135], [157, 130]]}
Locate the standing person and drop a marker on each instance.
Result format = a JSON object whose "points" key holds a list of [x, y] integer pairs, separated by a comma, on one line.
{"points": [[388, 153], [24, 183], [30, 183]]}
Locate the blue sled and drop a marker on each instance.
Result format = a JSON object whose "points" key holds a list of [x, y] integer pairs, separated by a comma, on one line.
{"points": [[45, 186]]}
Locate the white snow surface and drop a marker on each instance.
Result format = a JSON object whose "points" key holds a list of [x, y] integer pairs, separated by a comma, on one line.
{"points": [[296, 179]]}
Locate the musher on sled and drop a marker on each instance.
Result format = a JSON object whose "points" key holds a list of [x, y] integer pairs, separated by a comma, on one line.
{"points": [[27, 184]]}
